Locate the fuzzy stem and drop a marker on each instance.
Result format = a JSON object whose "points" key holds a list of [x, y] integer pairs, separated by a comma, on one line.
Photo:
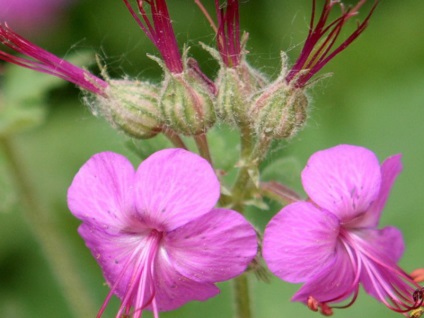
{"points": [[203, 147], [278, 192], [241, 284], [174, 138], [242, 181], [242, 297], [50, 239]]}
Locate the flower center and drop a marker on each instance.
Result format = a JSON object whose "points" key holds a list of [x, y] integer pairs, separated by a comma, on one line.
{"points": [[136, 279], [381, 277]]}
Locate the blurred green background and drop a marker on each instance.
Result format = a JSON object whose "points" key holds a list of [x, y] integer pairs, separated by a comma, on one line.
{"points": [[375, 99]]}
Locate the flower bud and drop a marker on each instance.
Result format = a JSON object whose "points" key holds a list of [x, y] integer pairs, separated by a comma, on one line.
{"points": [[279, 111], [236, 83], [132, 107], [236, 86], [187, 103]]}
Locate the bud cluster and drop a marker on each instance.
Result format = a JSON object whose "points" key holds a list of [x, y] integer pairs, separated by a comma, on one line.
{"points": [[187, 102]]}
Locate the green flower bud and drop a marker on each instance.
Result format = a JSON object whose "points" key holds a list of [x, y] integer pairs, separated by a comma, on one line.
{"points": [[187, 103], [236, 87], [279, 111], [132, 107]]}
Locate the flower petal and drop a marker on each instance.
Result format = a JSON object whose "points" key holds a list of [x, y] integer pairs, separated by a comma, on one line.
{"points": [[334, 283], [172, 290], [387, 242], [101, 192], [344, 180], [114, 252], [173, 187], [299, 241], [215, 247], [390, 169], [379, 251]]}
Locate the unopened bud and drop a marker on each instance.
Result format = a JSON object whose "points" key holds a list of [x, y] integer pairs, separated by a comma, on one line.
{"points": [[236, 87], [187, 103], [279, 111], [132, 107]]}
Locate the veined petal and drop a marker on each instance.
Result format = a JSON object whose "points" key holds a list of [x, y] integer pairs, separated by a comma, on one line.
{"points": [[172, 290], [299, 241], [390, 169], [101, 193], [387, 242], [117, 256], [378, 252], [335, 282], [173, 187], [344, 180], [215, 247]]}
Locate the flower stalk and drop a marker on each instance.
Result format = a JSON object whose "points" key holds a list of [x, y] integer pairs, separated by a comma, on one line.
{"points": [[242, 297]]}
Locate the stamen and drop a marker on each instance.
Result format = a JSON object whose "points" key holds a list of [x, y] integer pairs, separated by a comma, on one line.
{"points": [[142, 262], [392, 285], [314, 305]]}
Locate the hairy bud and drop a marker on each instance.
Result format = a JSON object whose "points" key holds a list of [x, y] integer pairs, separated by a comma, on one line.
{"points": [[236, 86], [279, 111], [132, 107], [187, 103]]}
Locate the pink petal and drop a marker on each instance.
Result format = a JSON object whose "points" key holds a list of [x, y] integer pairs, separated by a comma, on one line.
{"points": [[172, 290], [101, 193], [390, 169], [299, 241], [335, 282], [215, 247], [113, 252], [381, 277], [173, 187], [344, 180]]}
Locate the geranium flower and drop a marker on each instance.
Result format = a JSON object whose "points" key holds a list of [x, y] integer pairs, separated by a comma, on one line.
{"points": [[331, 242], [155, 232]]}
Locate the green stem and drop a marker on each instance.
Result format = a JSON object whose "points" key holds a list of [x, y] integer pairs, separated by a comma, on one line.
{"points": [[242, 297], [250, 157], [203, 147], [241, 284], [279, 192], [242, 181], [49, 237], [174, 138]]}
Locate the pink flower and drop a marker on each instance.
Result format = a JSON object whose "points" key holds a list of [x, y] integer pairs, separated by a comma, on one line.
{"points": [[319, 49], [155, 232], [40, 60], [331, 243]]}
